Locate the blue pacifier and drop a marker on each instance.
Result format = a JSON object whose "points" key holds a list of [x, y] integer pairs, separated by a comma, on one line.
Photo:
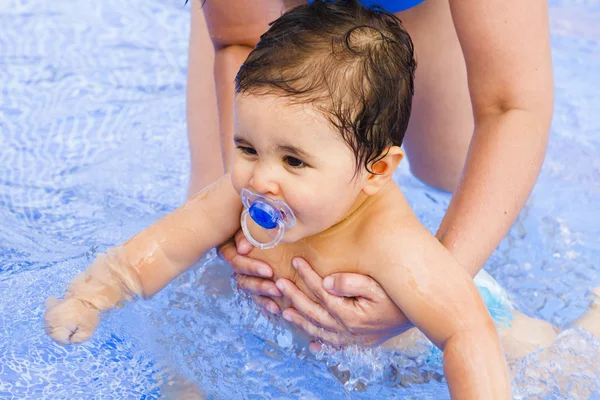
{"points": [[269, 214]]}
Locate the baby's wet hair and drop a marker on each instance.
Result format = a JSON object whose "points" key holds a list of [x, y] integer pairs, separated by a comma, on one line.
{"points": [[354, 64]]}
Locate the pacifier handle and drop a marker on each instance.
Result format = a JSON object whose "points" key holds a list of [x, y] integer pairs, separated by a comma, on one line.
{"points": [[256, 243]]}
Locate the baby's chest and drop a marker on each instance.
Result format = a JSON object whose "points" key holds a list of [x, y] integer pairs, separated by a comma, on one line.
{"points": [[325, 259]]}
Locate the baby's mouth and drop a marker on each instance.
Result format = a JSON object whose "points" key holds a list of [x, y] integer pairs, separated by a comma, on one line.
{"points": [[284, 215], [274, 216]]}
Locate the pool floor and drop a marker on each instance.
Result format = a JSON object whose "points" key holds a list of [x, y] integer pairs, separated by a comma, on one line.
{"points": [[93, 148]]}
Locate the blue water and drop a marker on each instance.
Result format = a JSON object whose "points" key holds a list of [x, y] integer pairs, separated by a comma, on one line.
{"points": [[93, 148]]}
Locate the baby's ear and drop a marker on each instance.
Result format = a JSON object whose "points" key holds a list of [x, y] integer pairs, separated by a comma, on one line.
{"points": [[382, 170]]}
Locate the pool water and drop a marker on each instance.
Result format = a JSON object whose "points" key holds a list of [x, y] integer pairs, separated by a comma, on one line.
{"points": [[93, 148]]}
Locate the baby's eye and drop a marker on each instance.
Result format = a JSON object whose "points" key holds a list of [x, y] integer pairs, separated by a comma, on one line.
{"points": [[294, 162], [247, 150]]}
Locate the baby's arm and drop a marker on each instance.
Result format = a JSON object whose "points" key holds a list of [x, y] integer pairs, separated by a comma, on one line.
{"points": [[167, 248], [440, 298], [147, 262]]}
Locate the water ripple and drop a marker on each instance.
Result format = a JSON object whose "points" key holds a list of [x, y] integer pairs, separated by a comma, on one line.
{"points": [[93, 149]]}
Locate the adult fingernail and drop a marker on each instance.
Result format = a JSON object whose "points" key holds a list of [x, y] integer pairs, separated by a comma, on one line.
{"points": [[264, 271], [295, 263], [273, 309], [274, 292], [287, 316], [279, 285], [244, 247], [314, 347], [328, 283]]}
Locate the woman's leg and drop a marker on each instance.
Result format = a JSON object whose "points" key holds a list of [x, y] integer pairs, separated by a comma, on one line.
{"points": [[441, 124], [201, 102], [591, 319], [223, 39]]}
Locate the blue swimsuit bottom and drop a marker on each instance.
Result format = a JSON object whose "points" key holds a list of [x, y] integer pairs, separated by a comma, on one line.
{"points": [[392, 6], [497, 302]]}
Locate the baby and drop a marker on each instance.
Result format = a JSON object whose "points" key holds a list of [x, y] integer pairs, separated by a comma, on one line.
{"points": [[322, 104]]}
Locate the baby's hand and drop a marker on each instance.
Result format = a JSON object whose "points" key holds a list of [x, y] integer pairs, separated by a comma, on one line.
{"points": [[70, 320], [107, 283]]}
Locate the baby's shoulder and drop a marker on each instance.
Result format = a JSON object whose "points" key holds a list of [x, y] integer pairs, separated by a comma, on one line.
{"points": [[390, 211], [390, 223]]}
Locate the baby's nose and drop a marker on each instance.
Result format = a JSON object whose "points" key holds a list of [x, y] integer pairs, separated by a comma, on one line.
{"points": [[263, 181]]}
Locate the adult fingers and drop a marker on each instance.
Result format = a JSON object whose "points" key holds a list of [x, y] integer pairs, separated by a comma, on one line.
{"points": [[364, 306], [353, 285], [245, 265], [310, 310], [242, 244], [314, 347], [335, 307], [316, 332], [227, 250], [240, 263], [259, 286], [313, 281], [266, 303]]}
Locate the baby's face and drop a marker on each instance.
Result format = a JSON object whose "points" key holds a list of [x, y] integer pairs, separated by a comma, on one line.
{"points": [[292, 153]]}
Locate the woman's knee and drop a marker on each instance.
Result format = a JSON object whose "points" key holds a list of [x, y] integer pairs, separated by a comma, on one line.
{"points": [[241, 23], [441, 124]]}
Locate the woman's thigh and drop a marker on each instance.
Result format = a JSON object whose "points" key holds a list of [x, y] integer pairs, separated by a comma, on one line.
{"points": [[441, 124]]}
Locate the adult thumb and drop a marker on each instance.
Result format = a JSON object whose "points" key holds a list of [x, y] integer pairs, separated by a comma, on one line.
{"points": [[351, 285]]}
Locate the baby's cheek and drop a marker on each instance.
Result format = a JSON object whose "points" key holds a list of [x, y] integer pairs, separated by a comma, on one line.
{"points": [[239, 177], [314, 209], [321, 217]]}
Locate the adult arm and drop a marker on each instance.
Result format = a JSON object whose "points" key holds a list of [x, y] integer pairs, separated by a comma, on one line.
{"points": [[506, 45]]}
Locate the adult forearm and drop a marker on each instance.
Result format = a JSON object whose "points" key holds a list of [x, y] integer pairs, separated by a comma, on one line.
{"points": [[504, 160]]}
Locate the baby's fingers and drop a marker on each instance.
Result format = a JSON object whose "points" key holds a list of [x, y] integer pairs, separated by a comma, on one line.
{"points": [[69, 321]]}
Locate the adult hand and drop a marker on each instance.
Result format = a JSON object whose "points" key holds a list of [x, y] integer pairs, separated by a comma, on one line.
{"points": [[352, 308], [252, 276]]}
